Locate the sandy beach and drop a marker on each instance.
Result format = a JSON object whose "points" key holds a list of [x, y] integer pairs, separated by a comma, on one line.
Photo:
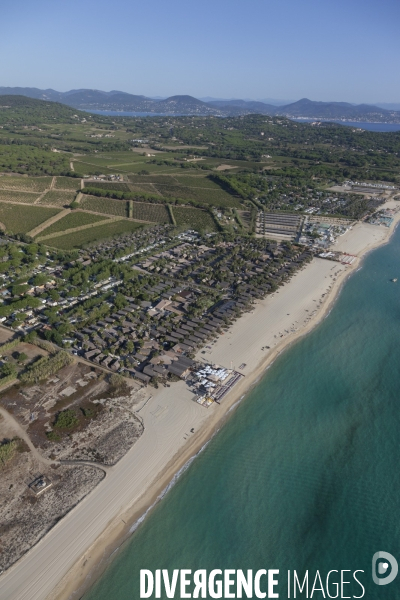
{"points": [[72, 554]]}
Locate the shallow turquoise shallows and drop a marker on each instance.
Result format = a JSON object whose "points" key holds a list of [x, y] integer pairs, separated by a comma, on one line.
{"points": [[306, 472]]}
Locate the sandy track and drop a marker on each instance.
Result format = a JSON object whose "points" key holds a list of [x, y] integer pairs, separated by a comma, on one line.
{"points": [[168, 418], [80, 228], [49, 222], [21, 433]]}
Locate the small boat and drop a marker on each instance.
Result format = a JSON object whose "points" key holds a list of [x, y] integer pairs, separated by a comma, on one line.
{"points": [[394, 279]]}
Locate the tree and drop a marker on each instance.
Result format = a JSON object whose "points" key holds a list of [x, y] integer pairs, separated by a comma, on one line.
{"points": [[8, 369]]}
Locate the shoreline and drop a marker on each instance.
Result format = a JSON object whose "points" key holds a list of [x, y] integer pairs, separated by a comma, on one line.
{"points": [[94, 560], [157, 491]]}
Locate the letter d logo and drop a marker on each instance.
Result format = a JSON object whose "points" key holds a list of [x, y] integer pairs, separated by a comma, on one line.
{"points": [[380, 568]]}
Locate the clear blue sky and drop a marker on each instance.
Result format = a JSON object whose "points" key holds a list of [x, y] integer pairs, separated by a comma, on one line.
{"points": [[346, 50]]}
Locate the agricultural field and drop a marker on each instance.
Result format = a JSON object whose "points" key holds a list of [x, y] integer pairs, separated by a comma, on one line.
{"points": [[70, 221], [58, 198], [124, 163], [79, 239], [157, 213], [197, 188], [108, 185], [29, 184], [195, 218], [200, 181], [154, 179], [15, 196], [216, 197], [67, 183], [147, 188], [21, 219], [107, 206]]}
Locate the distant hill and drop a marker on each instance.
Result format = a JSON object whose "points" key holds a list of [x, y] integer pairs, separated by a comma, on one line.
{"points": [[334, 110], [16, 109], [115, 100], [245, 105]]}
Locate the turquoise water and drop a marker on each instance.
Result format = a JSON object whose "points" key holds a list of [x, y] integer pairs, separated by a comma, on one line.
{"points": [[306, 473]]}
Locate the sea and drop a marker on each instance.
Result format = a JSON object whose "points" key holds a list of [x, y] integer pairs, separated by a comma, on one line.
{"points": [[305, 474]]}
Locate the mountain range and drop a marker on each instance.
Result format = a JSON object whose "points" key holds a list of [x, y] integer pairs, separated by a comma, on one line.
{"points": [[96, 100]]}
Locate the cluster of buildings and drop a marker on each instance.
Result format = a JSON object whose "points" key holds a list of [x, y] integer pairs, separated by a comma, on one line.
{"points": [[144, 304], [278, 225], [212, 383], [383, 217], [368, 186], [322, 233]]}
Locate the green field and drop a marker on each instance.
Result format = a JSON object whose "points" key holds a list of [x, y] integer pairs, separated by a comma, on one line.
{"points": [[78, 239], [74, 219], [195, 218], [107, 206], [108, 185], [200, 181], [30, 184], [21, 219], [67, 183], [58, 198], [15, 196], [157, 213], [197, 188]]}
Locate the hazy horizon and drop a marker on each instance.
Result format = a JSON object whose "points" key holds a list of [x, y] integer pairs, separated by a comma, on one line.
{"points": [[345, 51]]}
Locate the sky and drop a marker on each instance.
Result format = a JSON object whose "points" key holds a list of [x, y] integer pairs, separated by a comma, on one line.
{"points": [[327, 50]]}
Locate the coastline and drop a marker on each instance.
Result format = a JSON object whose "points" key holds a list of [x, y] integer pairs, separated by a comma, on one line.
{"points": [[95, 558]]}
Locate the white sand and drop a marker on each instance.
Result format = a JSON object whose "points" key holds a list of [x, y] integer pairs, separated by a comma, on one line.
{"points": [[277, 316]]}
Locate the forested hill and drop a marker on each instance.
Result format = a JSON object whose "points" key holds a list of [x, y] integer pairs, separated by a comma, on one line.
{"points": [[20, 109], [97, 100]]}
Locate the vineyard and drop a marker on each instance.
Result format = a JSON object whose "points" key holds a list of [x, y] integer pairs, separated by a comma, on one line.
{"points": [[58, 198], [67, 183], [152, 179], [196, 181], [14, 196], [199, 189], [195, 218], [29, 184], [104, 185], [214, 197], [74, 219], [156, 213], [78, 239], [21, 219], [107, 206]]}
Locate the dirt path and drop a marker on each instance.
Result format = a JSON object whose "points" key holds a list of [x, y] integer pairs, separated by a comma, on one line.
{"points": [[12, 189], [38, 199], [81, 228], [21, 433], [95, 212], [53, 183], [78, 198], [49, 222], [71, 166]]}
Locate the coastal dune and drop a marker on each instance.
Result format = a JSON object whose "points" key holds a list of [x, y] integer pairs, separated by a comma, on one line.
{"points": [[64, 559]]}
